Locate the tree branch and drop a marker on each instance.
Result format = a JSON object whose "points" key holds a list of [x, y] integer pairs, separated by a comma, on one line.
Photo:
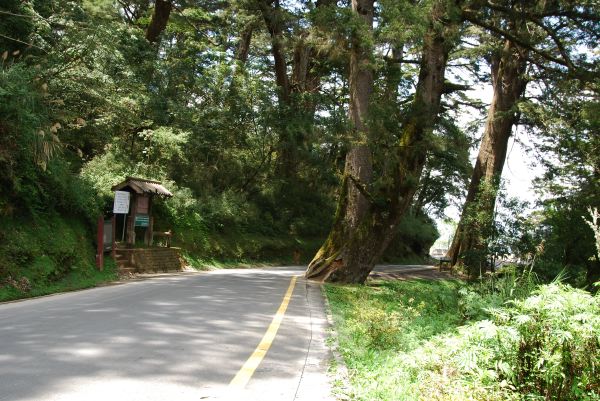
{"points": [[450, 87], [20, 41], [575, 15], [470, 16]]}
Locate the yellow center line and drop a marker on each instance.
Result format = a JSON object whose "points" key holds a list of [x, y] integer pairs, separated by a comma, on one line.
{"points": [[245, 373]]}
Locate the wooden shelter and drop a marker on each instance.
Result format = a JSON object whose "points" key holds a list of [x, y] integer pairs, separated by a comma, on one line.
{"points": [[142, 192]]}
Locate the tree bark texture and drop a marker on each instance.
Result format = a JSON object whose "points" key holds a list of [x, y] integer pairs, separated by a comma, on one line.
{"points": [[273, 17], [508, 81], [160, 17], [244, 46], [363, 228]]}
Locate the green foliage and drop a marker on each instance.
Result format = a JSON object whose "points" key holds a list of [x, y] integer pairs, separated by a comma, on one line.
{"points": [[567, 242], [544, 345], [568, 115], [37, 156], [50, 253], [408, 306], [17, 26], [74, 280], [556, 351], [378, 323], [23, 140], [44, 249], [447, 169], [416, 234], [478, 300]]}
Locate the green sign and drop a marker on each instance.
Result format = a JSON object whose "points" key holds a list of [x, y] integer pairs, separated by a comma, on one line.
{"points": [[142, 220]]}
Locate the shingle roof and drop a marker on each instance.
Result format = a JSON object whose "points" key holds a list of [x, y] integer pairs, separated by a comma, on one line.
{"points": [[143, 186]]}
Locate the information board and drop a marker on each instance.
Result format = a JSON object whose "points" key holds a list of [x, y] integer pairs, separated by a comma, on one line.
{"points": [[143, 203], [142, 220], [121, 205]]}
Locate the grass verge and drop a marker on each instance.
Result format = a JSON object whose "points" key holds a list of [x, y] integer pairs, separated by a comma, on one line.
{"points": [[376, 324], [425, 340], [74, 280]]}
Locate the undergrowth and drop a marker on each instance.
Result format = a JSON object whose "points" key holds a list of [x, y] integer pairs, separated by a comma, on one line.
{"points": [[75, 280], [45, 255], [446, 340]]}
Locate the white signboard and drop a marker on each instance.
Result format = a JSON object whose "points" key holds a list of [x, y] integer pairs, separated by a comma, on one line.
{"points": [[121, 205]]}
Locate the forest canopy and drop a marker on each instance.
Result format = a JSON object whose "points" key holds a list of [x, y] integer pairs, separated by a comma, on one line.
{"points": [[341, 129]]}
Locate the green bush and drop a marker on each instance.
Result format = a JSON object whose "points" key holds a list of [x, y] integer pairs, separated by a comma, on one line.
{"points": [[44, 250], [414, 237], [544, 347], [548, 269], [476, 301], [556, 354], [404, 340]]}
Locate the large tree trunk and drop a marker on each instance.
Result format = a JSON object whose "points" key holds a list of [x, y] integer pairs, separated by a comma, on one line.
{"points": [[363, 227], [160, 17], [507, 70]]}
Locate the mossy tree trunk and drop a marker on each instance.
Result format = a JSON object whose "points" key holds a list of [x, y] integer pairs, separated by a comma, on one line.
{"points": [[365, 223], [507, 70]]}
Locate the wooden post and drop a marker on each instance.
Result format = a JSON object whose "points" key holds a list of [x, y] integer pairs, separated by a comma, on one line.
{"points": [[148, 236], [150, 232], [100, 241], [131, 221], [113, 224]]}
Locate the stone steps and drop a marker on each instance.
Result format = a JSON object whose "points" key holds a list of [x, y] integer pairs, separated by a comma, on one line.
{"points": [[124, 265], [127, 270], [146, 260]]}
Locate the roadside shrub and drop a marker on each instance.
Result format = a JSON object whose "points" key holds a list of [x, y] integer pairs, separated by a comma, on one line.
{"points": [[397, 315], [381, 328], [22, 285], [558, 354], [44, 250], [544, 347], [549, 269], [476, 301], [404, 340]]}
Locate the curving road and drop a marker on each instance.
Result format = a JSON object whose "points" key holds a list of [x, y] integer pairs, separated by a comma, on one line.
{"points": [[171, 338]]}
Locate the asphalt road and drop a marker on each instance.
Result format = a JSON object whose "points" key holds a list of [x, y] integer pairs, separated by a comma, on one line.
{"points": [[171, 338]]}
